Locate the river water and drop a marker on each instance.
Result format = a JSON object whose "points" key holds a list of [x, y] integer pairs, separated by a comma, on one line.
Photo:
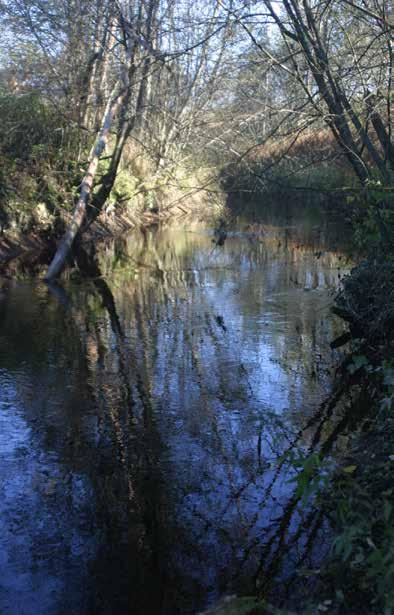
{"points": [[145, 415]]}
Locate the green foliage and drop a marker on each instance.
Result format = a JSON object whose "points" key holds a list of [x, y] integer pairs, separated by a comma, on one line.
{"points": [[29, 131], [124, 187], [358, 498], [373, 214], [361, 567], [34, 151], [366, 302], [310, 474], [358, 576]]}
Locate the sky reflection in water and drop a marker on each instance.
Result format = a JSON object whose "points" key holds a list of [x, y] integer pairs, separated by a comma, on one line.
{"points": [[141, 421]]}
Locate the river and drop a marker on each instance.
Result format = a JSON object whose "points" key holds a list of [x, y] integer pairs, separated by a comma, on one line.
{"points": [[145, 419]]}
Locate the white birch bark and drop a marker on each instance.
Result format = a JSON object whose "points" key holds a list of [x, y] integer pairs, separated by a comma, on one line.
{"points": [[80, 209]]}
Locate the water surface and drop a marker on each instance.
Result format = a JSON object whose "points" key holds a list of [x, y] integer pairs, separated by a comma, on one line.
{"points": [[144, 416]]}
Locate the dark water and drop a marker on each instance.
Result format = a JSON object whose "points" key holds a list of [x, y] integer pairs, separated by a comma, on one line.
{"points": [[143, 417]]}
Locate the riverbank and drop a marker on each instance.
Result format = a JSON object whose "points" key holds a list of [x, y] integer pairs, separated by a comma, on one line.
{"points": [[42, 170], [357, 576], [309, 169], [134, 204]]}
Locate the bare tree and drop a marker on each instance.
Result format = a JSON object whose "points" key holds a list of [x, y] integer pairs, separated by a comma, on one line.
{"points": [[347, 50], [147, 56]]}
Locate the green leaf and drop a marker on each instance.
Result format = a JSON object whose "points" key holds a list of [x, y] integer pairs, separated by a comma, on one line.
{"points": [[350, 469]]}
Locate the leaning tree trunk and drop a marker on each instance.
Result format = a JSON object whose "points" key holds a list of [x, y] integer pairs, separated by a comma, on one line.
{"points": [[81, 206]]}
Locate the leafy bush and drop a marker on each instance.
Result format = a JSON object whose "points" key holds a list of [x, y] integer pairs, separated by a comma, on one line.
{"points": [[361, 570], [34, 165]]}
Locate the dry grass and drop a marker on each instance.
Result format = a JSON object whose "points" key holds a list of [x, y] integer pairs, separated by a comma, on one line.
{"points": [[305, 148]]}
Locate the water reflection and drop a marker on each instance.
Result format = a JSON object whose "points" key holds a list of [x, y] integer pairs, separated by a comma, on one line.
{"points": [[143, 414]]}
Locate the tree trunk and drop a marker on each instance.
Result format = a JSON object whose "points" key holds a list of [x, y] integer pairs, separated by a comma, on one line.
{"points": [[80, 209], [382, 133]]}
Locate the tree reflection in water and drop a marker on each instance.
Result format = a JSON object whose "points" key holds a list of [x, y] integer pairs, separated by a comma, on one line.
{"points": [[146, 414]]}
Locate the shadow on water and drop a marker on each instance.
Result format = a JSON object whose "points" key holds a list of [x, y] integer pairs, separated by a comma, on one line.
{"points": [[145, 415]]}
